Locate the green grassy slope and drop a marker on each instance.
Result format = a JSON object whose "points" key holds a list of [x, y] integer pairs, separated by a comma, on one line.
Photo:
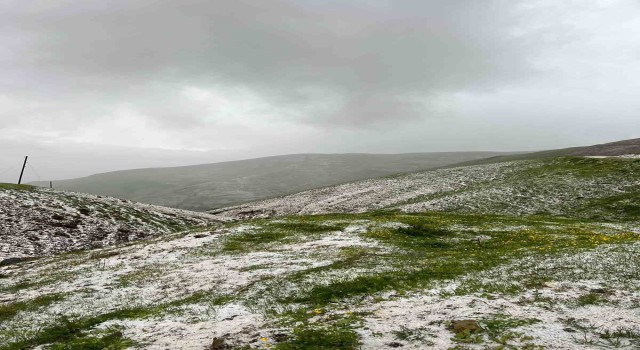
{"points": [[577, 187], [568, 186]]}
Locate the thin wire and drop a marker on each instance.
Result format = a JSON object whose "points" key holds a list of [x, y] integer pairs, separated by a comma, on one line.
{"points": [[34, 170], [5, 170]]}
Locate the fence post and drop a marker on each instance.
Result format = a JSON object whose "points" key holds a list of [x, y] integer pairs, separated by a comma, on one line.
{"points": [[22, 172]]}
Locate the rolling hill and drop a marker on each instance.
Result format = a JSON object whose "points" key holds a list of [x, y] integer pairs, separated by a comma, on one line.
{"points": [[573, 186], [546, 182], [210, 186]]}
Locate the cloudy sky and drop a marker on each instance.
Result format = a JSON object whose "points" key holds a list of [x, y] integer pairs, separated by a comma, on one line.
{"points": [[90, 86]]}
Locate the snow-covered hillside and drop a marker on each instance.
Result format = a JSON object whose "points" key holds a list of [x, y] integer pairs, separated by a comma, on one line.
{"points": [[36, 221], [570, 186]]}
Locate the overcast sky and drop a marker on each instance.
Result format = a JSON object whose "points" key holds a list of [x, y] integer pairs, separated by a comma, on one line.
{"points": [[90, 86]]}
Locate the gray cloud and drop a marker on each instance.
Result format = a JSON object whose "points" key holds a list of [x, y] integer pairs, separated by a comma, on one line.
{"points": [[179, 82], [372, 55]]}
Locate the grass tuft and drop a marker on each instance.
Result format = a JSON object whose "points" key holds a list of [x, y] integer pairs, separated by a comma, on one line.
{"points": [[8, 311]]}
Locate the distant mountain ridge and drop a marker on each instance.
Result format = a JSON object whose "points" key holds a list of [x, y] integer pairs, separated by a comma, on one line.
{"points": [[610, 149], [618, 148], [209, 186], [219, 185]]}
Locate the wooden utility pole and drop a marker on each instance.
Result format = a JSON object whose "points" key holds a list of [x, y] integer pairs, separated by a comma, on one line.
{"points": [[22, 172]]}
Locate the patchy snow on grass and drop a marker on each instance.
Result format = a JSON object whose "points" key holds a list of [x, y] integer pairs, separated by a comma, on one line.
{"points": [[584, 304], [582, 299], [623, 156], [428, 318], [511, 188], [149, 273], [230, 321], [367, 195]]}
